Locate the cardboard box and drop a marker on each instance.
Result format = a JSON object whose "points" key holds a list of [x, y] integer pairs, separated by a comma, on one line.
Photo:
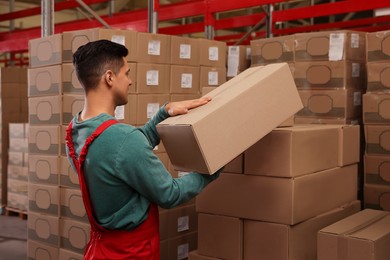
{"points": [[240, 109], [44, 199], [69, 255], [377, 169], [206, 89], [70, 82], [15, 158], [45, 51], [71, 205], [377, 197], [43, 169], [42, 251], [376, 108], [68, 178], [45, 81], [212, 76], [364, 235], [194, 255], [326, 121], [330, 75], [184, 51], [378, 79], [378, 45], [377, 139], [212, 53], [153, 78], [267, 240], [337, 103], [45, 110], [148, 105], [44, 140], [13, 75], [236, 165], [181, 97], [74, 235], [133, 77], [43, 229], [178, 247], [153, 48], [220, 236], [272, 50], [18, 130], [18, 144], [303, 149], [17, 186], [330, 46], [127, 114], [184, 80], [17, 201], [71, 105], [72, 40], [17, 172], [279, 200], [238, 59]]}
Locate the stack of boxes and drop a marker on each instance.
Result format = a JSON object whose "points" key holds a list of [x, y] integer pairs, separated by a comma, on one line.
{"points": [[14, 109], [376, 119], [163, 68], [17, 169]]}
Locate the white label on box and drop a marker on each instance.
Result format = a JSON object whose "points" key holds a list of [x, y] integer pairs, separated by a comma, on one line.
{"points": [[186, 80], [120, 112], [152, 109], [336, 46], [154, 47], [354, 40], [185, 51], [355, 70], [357, 98], [118, 39], [182, 251], [213, 53], [183, 223], [233, 57], [213, 78], [152, 78], [181, 174]]}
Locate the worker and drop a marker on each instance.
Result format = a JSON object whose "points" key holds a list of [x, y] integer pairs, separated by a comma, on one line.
{"points": [[121, 179]]}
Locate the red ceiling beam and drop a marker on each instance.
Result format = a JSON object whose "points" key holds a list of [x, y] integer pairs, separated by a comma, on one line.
{"points": [[227, 5]]}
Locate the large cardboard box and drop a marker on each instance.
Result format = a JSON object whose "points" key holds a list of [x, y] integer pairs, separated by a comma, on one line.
{"points": [[330, 46], [44, 140], [244, 109], [70, 82], [153, 78], [178, 247], [45, 110], [279, 200], [272, 50], [376, 108], [378, 78], [212, 53], [68, 178], [74, 235], [45, 51], [44, 199], [71, 205], [148, 105], [238, 60], [71, 105], [303, 149], [43, 229], [267, 240], [43, 169], [377, 197], [330, 75], [72, 40], [181, 97], [212, 76], [184, 51], [184, 80], [45, 81], [42, 251], [221, 237], [378, 46], [377, 139], [194, 255], [364, 235], [236, 165], [153, 48], [377, 169]]}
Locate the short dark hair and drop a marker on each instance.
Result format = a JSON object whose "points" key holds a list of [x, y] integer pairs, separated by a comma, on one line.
{"points": [[93, 59]]}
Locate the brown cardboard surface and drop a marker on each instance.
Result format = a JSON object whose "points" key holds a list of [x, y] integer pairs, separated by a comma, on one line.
{"points": [[326, 121], [181, 97], [238, 59], [267, 240], [364, 235], [240, 109], [330, 46], [44, 140], [43, 228], [71, 105], [72, 40], [212, 53], [45, 110], [220, 237], [70, 82], [133, 77], [45, 51], [194, 255], [74, 235], [377, 197], [378, 46], [184, 80], [349, 144], [236, 165], [330, 75], [148, 105], [178, 247], [13, 75], [212, 76], [68, 178], [378, 78], [153, 78], [45, 81], [271, 50], [36, 250], [71, 205], [44, 199], [376, 108], [43, 169], [279, 200], [184, 51], [377, 139], [69, 255], [206, 89], [377, 169], [153, 48]]}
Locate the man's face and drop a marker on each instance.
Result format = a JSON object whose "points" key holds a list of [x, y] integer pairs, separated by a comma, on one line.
{"points": [[122, 84]]}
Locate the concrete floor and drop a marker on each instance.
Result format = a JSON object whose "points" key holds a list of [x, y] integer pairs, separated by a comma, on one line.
{"points": [[13, 238]]}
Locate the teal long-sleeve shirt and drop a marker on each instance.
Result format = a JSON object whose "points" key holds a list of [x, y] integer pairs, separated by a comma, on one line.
{"points": [[124, 176]]}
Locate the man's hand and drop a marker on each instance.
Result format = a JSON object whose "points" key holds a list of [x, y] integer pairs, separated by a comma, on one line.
{"points": [[182, 107]]}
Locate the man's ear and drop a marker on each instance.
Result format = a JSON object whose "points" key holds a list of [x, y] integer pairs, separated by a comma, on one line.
{"points": [[108, 77]]}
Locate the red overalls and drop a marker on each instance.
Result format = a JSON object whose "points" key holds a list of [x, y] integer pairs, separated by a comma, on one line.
{"points": [[141, 243]]}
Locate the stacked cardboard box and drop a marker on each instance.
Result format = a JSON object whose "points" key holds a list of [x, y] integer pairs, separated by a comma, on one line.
{"points": [[292, 183], [14, 109], [238, 60], [376, 119], [17, 169]]}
